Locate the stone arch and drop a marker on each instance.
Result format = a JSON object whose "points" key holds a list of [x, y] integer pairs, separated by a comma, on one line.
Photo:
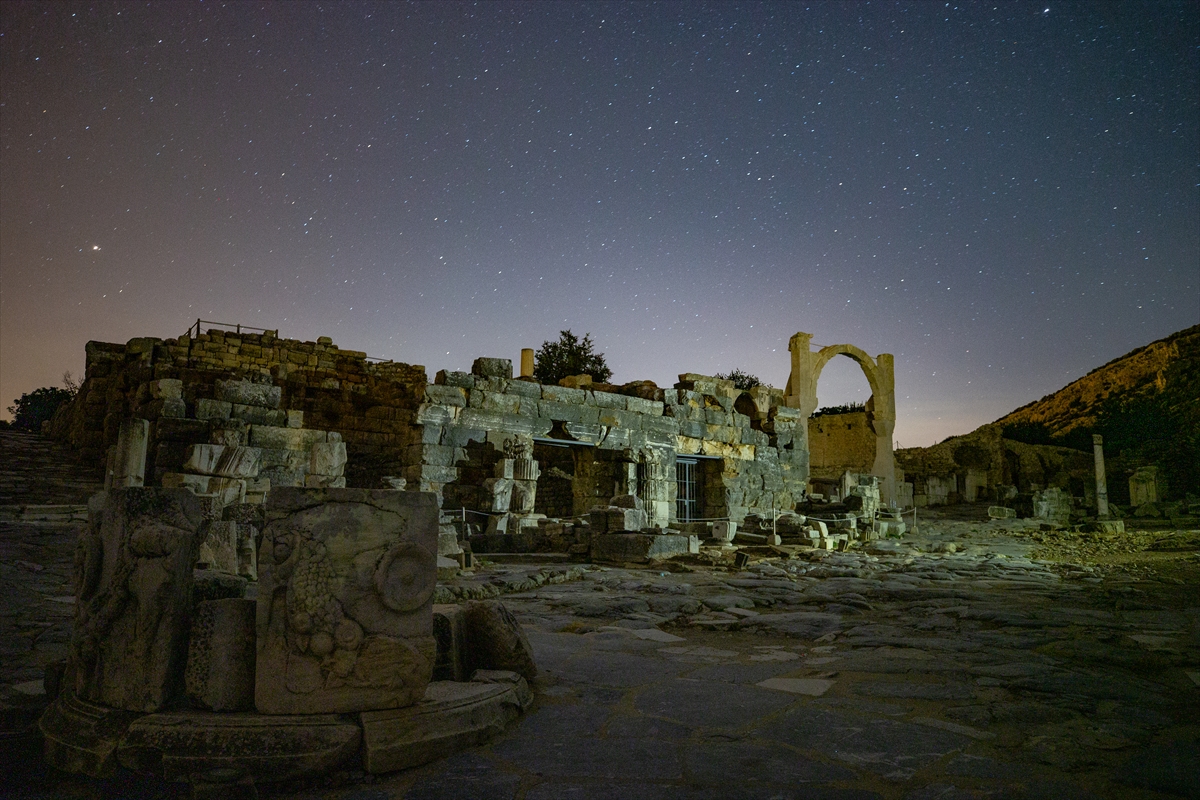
{"points": [[827, 354], [802, 394]]}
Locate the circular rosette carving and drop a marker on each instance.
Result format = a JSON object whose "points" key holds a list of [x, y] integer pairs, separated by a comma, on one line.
{"points": [[406, 577]]}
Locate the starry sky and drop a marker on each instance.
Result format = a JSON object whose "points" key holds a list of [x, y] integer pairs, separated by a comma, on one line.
{"points": [[1003, 195]]}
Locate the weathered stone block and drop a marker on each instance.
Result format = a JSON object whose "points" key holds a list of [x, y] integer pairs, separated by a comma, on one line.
{"points": [[525, 389], [724, 530], [493, 368], [610, 400], [446, 395], [227, 462], [624, 519], [248, 394], [227, 490], [491, 401], [213, 409], [346, 580], [227, 432], [463, 380], [660, 427], [563, 394], [258, 415], [166, 389], [272, 458], [495, 640], [133, 590], [616, 418], [220, 665], [440, 415], [461, 436], [164, 407], [500, 490], [567, 412], [639, 405], [327, 458], [504, 424], [638, 547], [285, 438]]}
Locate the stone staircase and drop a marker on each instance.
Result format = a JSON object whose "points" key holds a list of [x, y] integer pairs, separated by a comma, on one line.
{"points": [[36, 471]]}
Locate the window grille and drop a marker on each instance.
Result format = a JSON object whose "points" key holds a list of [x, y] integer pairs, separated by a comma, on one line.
{"points": [[688, 490]]}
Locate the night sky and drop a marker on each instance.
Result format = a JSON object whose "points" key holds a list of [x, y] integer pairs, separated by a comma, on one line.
{"points": [[1004, 196]]}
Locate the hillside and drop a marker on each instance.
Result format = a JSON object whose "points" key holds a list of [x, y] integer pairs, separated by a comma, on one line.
{"points": [[1169, 366], [1146, 405]]}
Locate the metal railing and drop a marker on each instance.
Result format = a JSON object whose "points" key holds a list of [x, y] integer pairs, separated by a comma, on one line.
{"points": [[194, 330]]}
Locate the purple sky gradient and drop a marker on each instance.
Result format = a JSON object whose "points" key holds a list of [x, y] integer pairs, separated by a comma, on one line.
{"points": [[1002, 195]]}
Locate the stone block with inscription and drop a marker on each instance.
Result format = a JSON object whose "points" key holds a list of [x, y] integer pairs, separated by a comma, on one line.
{"points": [[345, 599]]}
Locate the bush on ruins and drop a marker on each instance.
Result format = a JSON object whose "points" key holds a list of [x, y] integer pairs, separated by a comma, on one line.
{"points": [[570, 355], [741, 380]]}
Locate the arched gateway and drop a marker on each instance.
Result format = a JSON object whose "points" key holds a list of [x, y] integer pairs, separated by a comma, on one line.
{"points": [[802, 394]]}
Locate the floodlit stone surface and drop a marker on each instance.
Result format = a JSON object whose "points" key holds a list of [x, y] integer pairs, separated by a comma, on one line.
{"points": [[346, 580], [133, 595]]}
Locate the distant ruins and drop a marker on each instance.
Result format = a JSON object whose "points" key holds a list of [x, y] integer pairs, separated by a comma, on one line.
{"points": [[241, 413]]}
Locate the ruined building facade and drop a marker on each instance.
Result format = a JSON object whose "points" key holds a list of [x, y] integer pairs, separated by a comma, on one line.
{"points": [[327, 417]]}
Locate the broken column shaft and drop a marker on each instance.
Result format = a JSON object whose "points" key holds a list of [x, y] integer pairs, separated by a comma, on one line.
{"points": [[1101, 485]]}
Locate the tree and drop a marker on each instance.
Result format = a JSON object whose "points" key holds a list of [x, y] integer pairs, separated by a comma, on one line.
{"points": [[741, 380], [38, 406], [570, 355]]}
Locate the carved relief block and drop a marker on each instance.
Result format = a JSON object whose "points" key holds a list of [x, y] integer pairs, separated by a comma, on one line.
{"points": [[345, 600], [133, 582]]}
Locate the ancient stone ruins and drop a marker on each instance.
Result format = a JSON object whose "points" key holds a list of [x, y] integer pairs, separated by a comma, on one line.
{"points": [[257, 592]]}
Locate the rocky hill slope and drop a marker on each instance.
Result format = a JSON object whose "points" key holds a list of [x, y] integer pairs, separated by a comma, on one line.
{"points": [[1168, 369], [1146, 405]]}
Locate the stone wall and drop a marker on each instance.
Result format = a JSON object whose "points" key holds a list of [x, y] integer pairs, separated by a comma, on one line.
{"points": [[840, 442], [446, 436], [370, 404]]}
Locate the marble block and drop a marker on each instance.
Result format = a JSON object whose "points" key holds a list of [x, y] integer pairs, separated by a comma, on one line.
{"points": [[133, 585], [345, 600]]}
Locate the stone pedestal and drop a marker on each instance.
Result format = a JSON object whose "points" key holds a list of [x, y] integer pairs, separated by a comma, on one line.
{"points": [[346, 580]]}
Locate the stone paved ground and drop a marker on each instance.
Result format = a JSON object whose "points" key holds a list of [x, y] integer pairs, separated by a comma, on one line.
{"points": [[905, 672]]}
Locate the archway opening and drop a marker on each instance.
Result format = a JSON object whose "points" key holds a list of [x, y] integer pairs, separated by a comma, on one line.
{"points": [[840, 433]]}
